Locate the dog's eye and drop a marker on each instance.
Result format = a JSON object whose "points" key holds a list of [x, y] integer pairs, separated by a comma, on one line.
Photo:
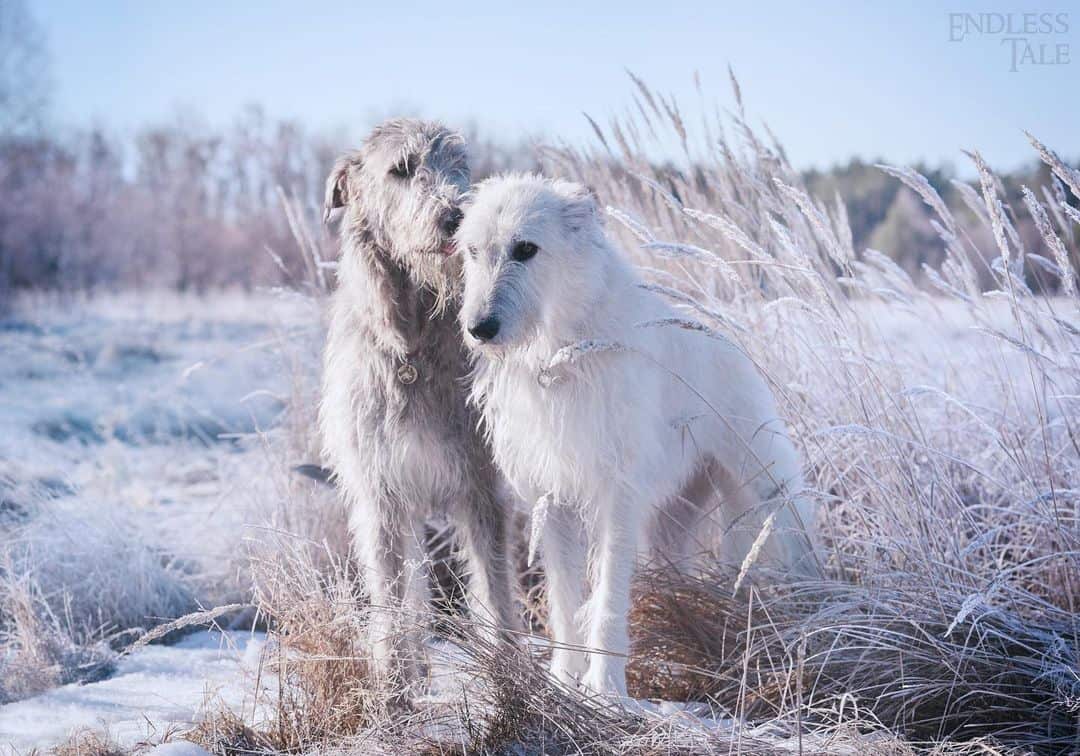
{"points": [[523, 250], [404, 169]]}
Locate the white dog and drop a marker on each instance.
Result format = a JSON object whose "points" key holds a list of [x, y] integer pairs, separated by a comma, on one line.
{"points": [[599, 402]]}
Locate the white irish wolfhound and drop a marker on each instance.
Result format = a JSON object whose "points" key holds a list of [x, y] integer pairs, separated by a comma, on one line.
{"points": [[398, 432], [596, 404]]}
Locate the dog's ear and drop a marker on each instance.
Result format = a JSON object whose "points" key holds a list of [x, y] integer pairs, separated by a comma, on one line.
{"points": [[580, 207], [337, 184]]}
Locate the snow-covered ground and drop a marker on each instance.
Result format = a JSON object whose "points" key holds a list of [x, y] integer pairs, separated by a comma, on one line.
{"points": [[153, 689], [133, 400], [134, 456], [133, 459]]}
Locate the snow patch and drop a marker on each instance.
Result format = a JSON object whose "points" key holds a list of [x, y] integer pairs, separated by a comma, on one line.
{"points": [[154, 688]]}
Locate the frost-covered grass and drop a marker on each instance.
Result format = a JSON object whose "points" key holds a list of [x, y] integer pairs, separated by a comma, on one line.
{"points": [[132, 459], [938, 427]]}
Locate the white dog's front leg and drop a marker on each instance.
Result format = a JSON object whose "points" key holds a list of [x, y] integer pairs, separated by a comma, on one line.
{"points": [[564, 563], [615, 540]]}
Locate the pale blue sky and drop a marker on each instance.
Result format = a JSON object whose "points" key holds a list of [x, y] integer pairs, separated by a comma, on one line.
{"points": [[831, 79]]}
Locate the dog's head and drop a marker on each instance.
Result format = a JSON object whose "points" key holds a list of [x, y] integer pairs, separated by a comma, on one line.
{"points": [[530, 261], [403, 188]]}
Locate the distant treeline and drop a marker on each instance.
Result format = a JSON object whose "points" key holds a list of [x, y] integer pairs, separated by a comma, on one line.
{"points": [[887, 216], [180, 205], [190, 207]]}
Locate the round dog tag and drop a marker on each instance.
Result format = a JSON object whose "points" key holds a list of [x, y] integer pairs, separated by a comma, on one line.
{"points": [[406, 374]]}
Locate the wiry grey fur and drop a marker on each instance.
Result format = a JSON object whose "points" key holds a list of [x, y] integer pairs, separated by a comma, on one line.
{"points": [[402, 450]]}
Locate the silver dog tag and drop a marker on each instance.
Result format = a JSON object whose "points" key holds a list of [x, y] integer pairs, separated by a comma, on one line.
{"points": [[406, 373]]}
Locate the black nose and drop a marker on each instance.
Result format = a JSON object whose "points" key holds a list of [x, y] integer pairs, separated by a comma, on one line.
{"points": [[486, 329], [451, 220]]}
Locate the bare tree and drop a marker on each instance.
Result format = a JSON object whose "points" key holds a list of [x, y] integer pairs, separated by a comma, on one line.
{"points": [[25, 81]]}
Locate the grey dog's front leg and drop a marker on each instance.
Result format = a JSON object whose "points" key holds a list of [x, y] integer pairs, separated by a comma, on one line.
{"points": [[484, 538], [392, 559]]}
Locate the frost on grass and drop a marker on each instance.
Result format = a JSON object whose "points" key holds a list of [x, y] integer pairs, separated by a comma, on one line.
{"points": [[937, 427], [937, 424], [130, 432]]}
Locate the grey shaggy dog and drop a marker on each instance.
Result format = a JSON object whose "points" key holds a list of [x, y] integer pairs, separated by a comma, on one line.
{"points": [[397, 429]]}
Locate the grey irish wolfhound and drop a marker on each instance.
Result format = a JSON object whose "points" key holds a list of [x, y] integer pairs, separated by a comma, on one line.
{"points": [[396, 426]]}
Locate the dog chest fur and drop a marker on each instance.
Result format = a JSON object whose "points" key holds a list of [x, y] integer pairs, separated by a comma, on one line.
{"points": [[576, 435], [390, 422]]}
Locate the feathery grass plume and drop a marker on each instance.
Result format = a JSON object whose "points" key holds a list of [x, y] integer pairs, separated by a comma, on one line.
{"points": [[695, 253], [570, 355], [1070, 176], [661, 192], [918, 183], [1072, 213], [688, 301], [994, 208], [684, 323], [635, 227], [823, 230], [1055, 199], [754, 552], [206, 617], [536, 526], [729, 230], [1064, 269]]}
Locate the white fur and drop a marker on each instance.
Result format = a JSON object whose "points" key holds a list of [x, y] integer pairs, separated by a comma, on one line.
{"points": [[649, 418]]}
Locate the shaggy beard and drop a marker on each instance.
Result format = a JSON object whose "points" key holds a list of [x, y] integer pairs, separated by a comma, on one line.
{"points": [[437, 273], [424, 263]]}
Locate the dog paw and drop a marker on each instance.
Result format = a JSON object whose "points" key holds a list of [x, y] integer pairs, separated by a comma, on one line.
{"points": [[612, 697], [568, 666], [606, 680], [565, 676]]}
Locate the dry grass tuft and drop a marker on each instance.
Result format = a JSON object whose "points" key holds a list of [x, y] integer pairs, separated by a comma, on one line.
{"points": [[40, 651], [223, 733], [687, 635], [90, 743], [315, 616], [957, 670]]}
